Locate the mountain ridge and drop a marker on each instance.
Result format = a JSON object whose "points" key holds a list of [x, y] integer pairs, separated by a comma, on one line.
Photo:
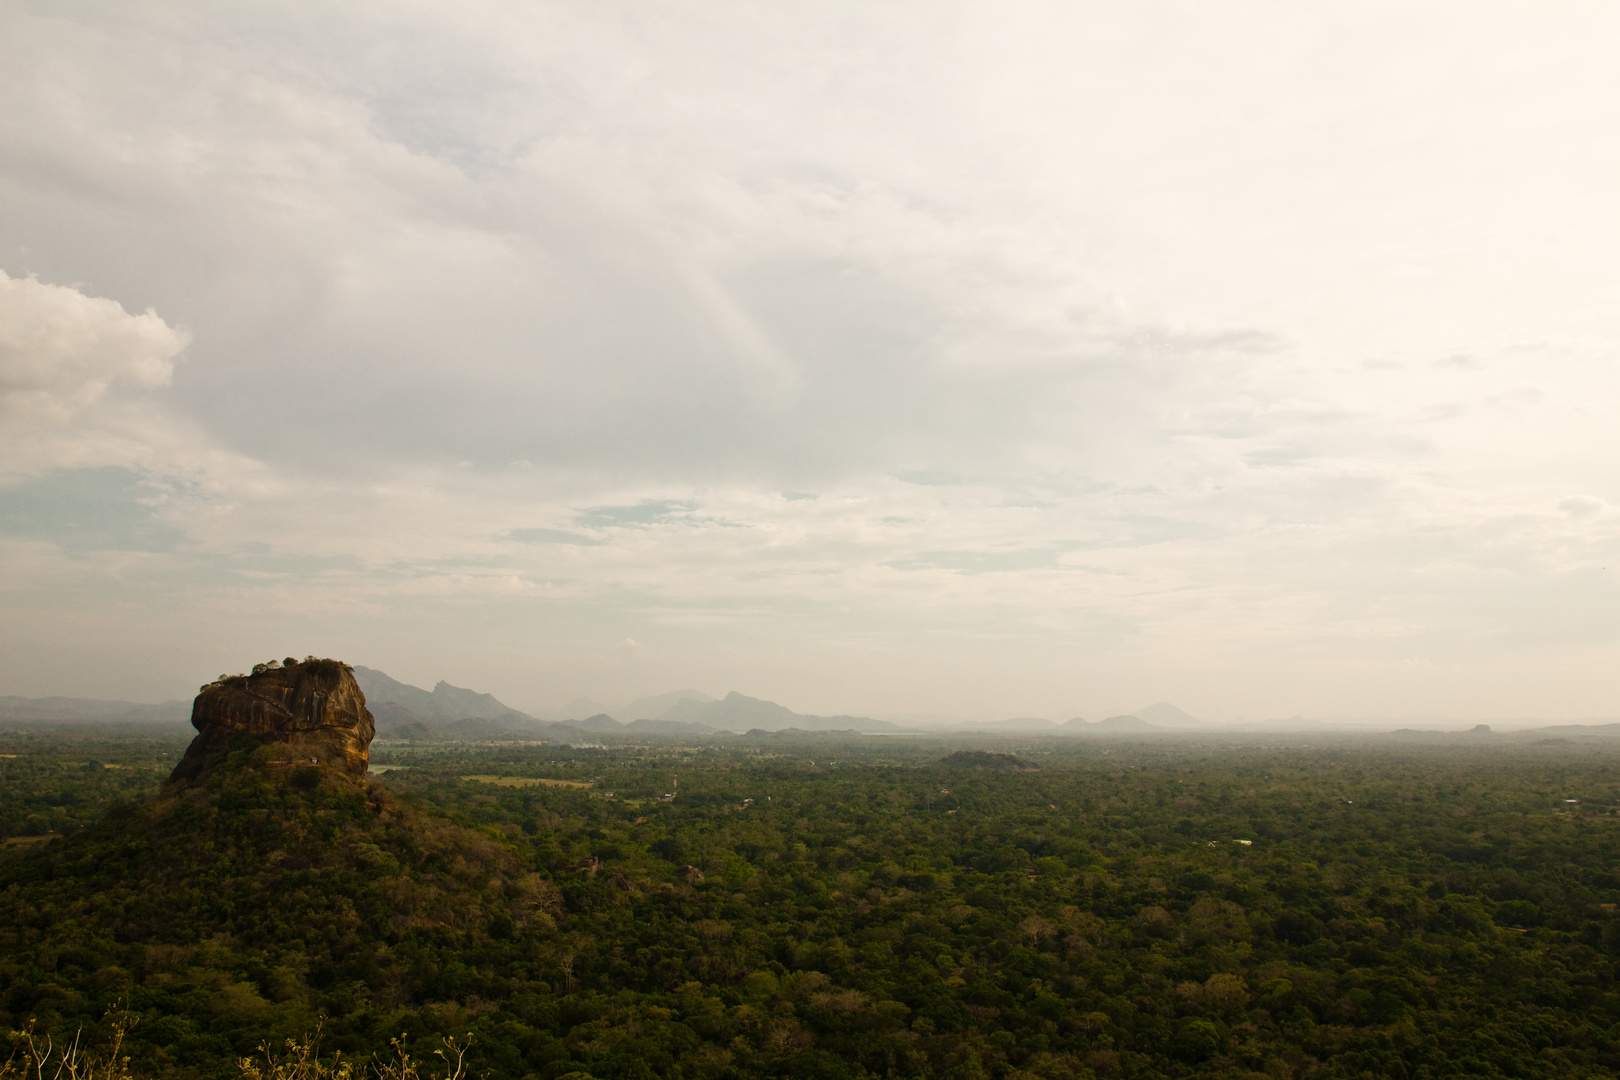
{"points": [[739, 712], [1164, 714], [443, 702]]}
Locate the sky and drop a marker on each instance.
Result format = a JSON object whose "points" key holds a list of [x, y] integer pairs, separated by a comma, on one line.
{"points": [[969, 359]]}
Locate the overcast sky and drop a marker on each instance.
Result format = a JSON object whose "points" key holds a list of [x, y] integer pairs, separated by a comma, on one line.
{"points": [[978, 359]]}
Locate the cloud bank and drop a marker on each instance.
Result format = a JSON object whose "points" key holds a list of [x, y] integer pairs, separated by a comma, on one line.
{"points": [[918, 359]]}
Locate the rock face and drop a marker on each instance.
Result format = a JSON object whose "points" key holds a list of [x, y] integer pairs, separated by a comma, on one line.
{"points": [[313, 712]]}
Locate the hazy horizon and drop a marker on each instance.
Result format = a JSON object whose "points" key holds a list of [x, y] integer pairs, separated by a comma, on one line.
{"points": [[945, 724], [965, 360]]}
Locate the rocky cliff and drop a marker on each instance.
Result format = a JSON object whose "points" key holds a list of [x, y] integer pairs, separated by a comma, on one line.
{"points": [[312, 712]]}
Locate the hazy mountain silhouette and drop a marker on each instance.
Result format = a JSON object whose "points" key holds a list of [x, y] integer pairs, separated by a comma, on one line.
{"points": [[445, 702], [738, 712], [655, 706], [599, 722], [580, 706], [1122, 723], [1165, 714], [1017, 723]]}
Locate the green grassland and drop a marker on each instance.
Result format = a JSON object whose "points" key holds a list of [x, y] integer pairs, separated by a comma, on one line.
{"points": [[836, 909]]}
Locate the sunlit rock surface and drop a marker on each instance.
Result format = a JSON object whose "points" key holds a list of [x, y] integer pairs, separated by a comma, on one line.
{"points": [[312, 712]]}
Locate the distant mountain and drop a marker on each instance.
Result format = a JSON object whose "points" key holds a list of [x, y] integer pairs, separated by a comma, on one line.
{"points": [[66, 710], [1165, 714], [805, 722], [580, 706], [738, 712], [924, 721], [398, 706], [654, 707], [1601, 730], [668, 727], [1478, 731], [445, 702], [562, 729], [1017, 723], [599, 722], [1122, 723], [395, 721]]}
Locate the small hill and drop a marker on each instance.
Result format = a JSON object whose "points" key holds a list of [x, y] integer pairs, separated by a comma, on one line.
{"points": [[1122, 724], [1164, 714], [655, 706], [1017, 723], [395, 721], [600, 722], [580, 706], [1576, 731], [989, 760], [738, 712], [668, 727], [735, 711], [1478, 731], [807, 722]]}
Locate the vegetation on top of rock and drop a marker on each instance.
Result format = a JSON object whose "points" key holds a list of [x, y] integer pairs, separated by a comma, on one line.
{"points": [[323, 666]]}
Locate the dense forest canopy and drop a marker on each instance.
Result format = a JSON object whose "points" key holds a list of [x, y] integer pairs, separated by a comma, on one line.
{"points": [[832, 908]]}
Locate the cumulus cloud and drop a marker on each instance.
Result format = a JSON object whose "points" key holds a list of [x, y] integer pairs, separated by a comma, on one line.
{"points": [[84, 384], [61, 349]]}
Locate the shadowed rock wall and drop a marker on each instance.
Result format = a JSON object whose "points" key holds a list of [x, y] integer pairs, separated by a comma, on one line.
{"points": [[314, 709]]}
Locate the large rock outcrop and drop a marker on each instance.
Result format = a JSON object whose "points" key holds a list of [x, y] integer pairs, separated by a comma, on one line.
{"points": [[313, 713]]}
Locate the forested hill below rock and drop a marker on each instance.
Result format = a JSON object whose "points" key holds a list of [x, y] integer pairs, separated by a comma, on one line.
{"points": [[246, 903]]}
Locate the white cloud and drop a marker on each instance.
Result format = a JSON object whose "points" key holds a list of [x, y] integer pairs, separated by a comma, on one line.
{"points": [[82, 385], [61, 349]]}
